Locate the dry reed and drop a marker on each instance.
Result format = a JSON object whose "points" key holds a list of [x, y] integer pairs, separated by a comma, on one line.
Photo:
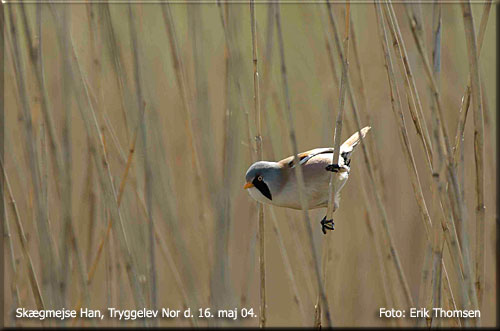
{"points": [[420, 126], [388, 240], [35, 288], [258, 145], [298, 171], [460, 256], [94, 132], [50, 274], [472, 50], [157, 193], [366, 116], [333, 198]]}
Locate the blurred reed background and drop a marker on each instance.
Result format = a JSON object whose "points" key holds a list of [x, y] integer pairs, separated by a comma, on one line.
{"points": [[129, 129]]}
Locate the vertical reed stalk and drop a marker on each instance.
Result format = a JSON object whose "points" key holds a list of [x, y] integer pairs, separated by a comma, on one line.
{"points": [[397, 42], [164, 250], [332, 201], [35, 289], [298, 170], [329, 46], [197, 34], [94, 132], [69, 238], [36, 61], [12, 259], [437, 230], [67, 157], [443, 148], [414, 103], [219, 273], [151, 263], [192, 138], [472, 51], [454, 192], [120, 73], [464, 109], [352, 97], [398, 113], [289, 272], [186, 99], [47, 253], [258, 141], [91, 198], [110, 299], [93, 265], [271, 149], [425, 285], [250, 257], [382, 264], [128, 163], [389, 242], [365, 114]]}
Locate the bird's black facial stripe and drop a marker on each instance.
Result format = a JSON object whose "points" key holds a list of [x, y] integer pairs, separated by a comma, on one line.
{"points": [[262, 187]]}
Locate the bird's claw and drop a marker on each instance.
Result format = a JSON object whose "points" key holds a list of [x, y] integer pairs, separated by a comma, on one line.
{"points": [[327, 225], [333, 167]]}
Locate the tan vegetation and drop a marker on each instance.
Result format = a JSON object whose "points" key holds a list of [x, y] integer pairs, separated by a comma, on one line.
{"points": [[128, 129]]}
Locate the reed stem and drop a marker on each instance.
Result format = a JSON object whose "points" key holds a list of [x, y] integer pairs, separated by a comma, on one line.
{"points": [[298, 170]]}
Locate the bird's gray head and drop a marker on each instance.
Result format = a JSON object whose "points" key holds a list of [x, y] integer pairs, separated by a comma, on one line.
{"points": [[262, 177]]}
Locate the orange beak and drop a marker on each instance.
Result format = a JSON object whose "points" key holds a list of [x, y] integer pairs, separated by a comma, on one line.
{"points": [[248, 185]]}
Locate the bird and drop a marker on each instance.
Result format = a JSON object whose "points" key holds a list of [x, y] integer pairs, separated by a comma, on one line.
{"points": [[275, 183]]}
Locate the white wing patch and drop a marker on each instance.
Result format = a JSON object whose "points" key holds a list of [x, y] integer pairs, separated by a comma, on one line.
{"points": [[312, 154], [346, 149]]}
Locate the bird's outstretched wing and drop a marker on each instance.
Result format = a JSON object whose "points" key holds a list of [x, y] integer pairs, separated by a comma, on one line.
{"points": [[306, 156], [346, 150]]}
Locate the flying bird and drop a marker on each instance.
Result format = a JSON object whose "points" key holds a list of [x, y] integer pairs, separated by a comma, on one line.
{"points": [[275, 183]]}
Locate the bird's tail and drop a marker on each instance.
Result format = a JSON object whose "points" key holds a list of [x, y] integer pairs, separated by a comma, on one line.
{"points": [[348, 146]]}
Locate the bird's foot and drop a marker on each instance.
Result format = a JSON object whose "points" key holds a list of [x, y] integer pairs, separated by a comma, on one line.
{"points": [[327, 225], [333, 167]]}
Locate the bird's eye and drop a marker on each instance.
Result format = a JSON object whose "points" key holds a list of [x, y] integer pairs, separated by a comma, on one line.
{"points": [[259, 178]]}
